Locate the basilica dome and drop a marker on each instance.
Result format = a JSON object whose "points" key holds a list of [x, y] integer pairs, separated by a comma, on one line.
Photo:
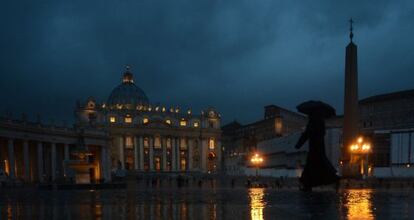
{"points": [[127, 94]]}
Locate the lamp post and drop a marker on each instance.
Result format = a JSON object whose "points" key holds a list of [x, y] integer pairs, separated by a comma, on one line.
{"points": [[256, 161], [359, 154]]}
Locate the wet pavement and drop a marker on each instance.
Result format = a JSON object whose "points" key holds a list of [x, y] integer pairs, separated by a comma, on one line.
{"points": [[211, 204]]}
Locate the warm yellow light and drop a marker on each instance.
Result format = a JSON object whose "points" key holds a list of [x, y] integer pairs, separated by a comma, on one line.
{"points": [[112, 119], [163, 109], [128, 119], [145, 120], [183, 123], [168, 121], [358, 203], [6, 167], [256, 159], [196, 124], [360, 139], [257, 203]]}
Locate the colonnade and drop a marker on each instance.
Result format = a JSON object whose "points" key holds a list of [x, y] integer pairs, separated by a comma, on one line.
{"points": [[40, 161]]}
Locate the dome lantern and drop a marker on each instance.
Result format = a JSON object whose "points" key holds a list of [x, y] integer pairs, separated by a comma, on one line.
{"points": [[128, 77]]}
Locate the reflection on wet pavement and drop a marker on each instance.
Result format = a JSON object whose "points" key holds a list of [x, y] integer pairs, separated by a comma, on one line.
{"points": [[257, 204], [359, 204], [209, 204]]}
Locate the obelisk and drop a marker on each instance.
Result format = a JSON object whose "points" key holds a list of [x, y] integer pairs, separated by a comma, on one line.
{"points": [[351, 112]]}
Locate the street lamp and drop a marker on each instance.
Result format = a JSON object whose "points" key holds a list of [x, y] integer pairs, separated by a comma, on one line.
{"points": [[256, 161], [359, 149]]}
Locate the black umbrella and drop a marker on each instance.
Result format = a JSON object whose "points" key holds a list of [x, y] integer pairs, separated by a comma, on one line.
{"points": [[316, 108]]}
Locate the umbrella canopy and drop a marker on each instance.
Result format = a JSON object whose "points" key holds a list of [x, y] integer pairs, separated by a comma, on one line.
{"points": [[316, 108]]}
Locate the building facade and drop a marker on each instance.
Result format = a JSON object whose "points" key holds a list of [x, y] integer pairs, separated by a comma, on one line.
{"points": [[382, 118], [239, 141], [38, 153], [149, 137]]}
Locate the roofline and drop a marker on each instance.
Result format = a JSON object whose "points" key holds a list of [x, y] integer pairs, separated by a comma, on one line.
{"points": [[387, 96]]}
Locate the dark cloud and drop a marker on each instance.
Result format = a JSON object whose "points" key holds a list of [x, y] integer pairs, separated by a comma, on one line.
{"points": [[235, 55]]}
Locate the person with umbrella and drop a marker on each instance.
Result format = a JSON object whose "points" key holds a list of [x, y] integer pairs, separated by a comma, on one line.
{"points": [[318, 170]]}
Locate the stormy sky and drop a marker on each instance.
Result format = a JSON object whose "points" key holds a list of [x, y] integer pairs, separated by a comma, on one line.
{"points": [[235, 55]]}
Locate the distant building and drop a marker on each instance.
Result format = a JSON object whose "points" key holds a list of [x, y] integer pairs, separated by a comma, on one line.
{"points": [[240, 140], [147, 137], [384, 116], [125, 133]]}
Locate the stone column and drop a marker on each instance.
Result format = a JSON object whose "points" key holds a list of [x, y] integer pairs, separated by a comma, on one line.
{"points": [[103, 164], [136, 153], [40, 161], [121, 152], [108, 162], [26, 160], [67, 151], [177, 151], [204, 147], [190, 146], [141, 153], [164, 153], [12, 166], [173, 154], [53, 161], [151, 153]]}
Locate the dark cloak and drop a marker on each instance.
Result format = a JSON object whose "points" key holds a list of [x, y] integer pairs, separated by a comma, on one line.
{"points": [[318, 170]]}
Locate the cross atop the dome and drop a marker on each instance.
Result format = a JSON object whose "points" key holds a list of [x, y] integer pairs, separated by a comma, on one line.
{"points": [[128, 68]]}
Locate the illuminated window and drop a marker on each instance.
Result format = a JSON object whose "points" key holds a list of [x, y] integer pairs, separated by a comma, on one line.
{"points": [[128, 119], [183, 144], [157, 142], [278, 126], [168, 121], [145, 120], [168, 143], [183, 164], [129, 142], [146, 142], [196, 124], [163, 109], [183, 123], [211, 143], [112, 119]]}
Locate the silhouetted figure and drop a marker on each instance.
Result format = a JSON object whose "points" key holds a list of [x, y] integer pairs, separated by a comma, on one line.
{"points": [[318, 170]]}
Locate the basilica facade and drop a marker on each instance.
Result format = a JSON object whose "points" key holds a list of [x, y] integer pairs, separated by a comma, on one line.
{"points": [[146, 137]]}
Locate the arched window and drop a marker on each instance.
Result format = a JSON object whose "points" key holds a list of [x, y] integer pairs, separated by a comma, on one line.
{"points": [[196, 124], [157, 142], [129, 142], [112, 119], [183, 123], [211, 143], [128, 119], [145, 120], [146, 142]]}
